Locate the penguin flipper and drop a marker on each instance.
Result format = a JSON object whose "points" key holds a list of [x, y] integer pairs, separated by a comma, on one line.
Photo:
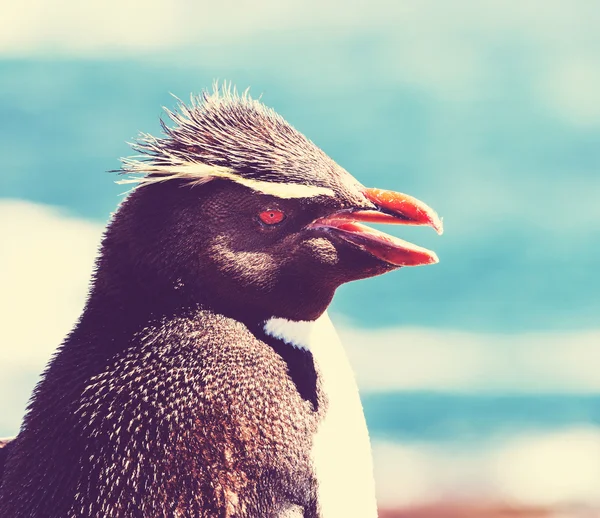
{"points": [[5, 446]]}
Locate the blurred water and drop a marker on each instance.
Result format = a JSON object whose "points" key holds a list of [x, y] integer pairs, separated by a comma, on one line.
{"points": [[474, 418]]}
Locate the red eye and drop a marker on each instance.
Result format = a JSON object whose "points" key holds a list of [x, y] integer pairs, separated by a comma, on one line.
{"points": [[271, 217]]}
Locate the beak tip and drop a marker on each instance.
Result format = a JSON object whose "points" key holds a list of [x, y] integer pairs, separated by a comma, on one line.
{"points": [[438, 225]]}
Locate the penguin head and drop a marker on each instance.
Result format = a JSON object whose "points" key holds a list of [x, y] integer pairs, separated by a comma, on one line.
{"points": [[237, 211]]}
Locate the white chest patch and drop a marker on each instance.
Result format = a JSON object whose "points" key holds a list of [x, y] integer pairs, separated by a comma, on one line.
{"points": [[341, 451]]}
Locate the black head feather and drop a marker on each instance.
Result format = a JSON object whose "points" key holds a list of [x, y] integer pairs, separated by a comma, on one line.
{"points": [[231, 135]]}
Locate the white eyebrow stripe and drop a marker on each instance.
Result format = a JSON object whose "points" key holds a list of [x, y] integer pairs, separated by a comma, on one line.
{"points": [[283, 190], [199, 173]]}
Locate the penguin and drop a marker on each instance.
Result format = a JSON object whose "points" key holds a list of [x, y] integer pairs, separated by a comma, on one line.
{"points": [[204, 377]]}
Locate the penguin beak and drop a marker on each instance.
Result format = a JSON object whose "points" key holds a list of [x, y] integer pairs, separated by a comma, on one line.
{"points": [[387, 207]]}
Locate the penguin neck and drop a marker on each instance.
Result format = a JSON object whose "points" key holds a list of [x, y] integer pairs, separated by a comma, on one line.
{"points": [[117, 308], [127, 295], [122, 304]]}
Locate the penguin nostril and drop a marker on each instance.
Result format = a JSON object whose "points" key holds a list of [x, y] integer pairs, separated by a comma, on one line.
{"points": [[271, 217]]}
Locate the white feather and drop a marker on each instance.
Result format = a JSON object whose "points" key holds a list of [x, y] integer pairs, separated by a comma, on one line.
{"points": [[198, 173], [341, 451]]}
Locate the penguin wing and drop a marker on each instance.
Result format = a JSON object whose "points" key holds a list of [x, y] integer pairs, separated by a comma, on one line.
{"points": [[5, 446]]}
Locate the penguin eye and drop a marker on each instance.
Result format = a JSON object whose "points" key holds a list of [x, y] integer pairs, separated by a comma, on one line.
{"points": [[271, 216]]}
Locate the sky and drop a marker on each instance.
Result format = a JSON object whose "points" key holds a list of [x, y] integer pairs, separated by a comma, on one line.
{"points": [[488, 111]]}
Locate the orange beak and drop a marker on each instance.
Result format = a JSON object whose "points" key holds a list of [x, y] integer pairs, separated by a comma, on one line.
{"points": [[390, 207]]}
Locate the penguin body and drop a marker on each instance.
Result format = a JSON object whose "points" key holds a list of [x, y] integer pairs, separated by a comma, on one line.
{"points": [[242, 437], [204, 378]]}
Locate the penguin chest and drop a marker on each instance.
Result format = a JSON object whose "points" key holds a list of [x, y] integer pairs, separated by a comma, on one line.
{"points": [[341, 451]]}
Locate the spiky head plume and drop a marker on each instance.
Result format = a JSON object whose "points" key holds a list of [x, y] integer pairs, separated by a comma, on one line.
{"points": [[224, 134]]}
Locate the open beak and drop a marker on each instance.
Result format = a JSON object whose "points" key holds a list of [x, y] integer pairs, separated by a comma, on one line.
{"points": [[389, 207]]}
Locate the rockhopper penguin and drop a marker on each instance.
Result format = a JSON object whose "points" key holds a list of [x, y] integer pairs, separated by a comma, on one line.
{"points": [[204, 378]]}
